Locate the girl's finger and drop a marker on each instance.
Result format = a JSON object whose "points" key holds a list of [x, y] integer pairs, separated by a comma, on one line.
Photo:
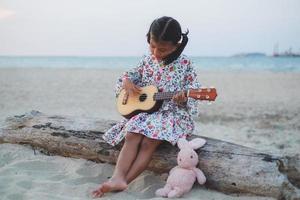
{"points": [[137, 88], [135, 91]]}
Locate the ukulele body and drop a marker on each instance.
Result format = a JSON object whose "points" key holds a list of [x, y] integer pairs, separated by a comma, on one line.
{"points": [[142, 102]]}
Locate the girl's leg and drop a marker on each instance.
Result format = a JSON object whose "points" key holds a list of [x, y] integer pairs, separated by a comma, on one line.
{"points": [[125, 159], [147, 148], [127, 155]]}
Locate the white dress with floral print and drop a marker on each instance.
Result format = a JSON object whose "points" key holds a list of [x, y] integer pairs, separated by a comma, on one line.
{"points": [[171, 121]]}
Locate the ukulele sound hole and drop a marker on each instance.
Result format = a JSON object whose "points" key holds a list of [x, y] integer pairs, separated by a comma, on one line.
{"points": [[143, 97]]}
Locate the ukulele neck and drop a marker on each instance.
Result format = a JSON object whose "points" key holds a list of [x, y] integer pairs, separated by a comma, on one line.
{"points": [[165, 95]]}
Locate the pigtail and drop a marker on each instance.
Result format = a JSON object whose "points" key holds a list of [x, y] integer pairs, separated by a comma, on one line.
{"points": [[173, 56]]}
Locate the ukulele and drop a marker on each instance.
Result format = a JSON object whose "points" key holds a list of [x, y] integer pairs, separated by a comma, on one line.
{"points": [[150, 99]]}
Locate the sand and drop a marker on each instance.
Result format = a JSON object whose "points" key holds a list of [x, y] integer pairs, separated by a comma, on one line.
{"points": [[255, 109]]}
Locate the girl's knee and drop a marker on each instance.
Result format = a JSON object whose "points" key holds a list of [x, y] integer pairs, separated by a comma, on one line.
{"points": [[149, 144], [133, 137]]}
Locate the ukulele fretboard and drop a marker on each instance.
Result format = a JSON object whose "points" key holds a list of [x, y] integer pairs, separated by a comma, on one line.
{"points": [[163, 95]]}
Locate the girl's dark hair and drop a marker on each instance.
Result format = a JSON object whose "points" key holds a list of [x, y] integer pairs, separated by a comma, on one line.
{"points": [[168, 29]]}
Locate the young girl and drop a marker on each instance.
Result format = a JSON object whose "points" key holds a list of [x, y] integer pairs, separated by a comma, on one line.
{"points": [[167, 69]]}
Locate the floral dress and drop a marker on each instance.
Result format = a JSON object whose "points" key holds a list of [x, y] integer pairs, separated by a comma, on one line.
{"points": [[171, 121]]}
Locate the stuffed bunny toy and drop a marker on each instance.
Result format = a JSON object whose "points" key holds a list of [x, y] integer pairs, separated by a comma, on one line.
{"points": [[182, 177]]}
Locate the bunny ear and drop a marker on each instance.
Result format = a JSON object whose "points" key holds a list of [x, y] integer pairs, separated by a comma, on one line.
{"points": [[182, 142], [197, 143]]}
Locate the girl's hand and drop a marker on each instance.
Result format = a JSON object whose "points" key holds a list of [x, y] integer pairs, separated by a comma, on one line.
{"points": [[180, 98], [131, 88]]}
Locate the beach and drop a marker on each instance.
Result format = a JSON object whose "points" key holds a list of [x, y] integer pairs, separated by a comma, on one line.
{"points": [[258, 109]]}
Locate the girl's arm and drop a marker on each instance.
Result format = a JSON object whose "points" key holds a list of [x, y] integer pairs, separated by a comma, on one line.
{"points": [[191, 82], [132, 76]]}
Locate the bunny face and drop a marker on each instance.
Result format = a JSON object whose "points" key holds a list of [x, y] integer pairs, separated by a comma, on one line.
{"points": [[187, 158]]}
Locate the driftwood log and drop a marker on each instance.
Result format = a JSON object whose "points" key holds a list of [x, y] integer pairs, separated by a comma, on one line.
{"points": [[229, 168]]}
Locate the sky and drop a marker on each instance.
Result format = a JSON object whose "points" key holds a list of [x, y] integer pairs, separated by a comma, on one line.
{"points": [[118, 27]]}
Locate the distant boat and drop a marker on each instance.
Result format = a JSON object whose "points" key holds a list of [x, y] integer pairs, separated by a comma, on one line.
{"points": [[287, 53]]}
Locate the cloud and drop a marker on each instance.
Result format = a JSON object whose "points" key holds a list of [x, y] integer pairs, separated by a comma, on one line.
{"points": [[5, 13]]}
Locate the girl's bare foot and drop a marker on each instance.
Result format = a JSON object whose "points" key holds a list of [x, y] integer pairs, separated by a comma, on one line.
{"points": [[114, 184]]}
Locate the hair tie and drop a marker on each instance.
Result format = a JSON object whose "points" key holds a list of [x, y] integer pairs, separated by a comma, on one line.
{"points": [[186, 33]]}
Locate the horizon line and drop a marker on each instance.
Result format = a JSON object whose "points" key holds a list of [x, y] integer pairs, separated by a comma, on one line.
{"points": [[122, 56]]}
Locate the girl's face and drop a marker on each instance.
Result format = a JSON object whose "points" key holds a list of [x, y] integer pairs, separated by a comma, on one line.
{"points": [[161, 49]]}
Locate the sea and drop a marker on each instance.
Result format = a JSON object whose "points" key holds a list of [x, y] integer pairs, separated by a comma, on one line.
{"points": [[239, 63]]}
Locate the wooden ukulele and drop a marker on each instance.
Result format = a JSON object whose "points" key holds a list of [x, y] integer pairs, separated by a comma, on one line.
{"points": [[150, 99]]}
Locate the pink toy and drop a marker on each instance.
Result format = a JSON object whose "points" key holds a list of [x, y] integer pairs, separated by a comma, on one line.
{"points": [[182, 177]]}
